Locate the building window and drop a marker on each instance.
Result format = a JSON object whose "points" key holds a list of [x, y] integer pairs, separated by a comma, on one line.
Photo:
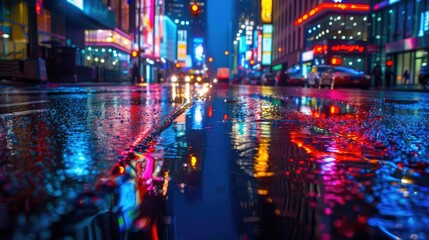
{"points": [[294, 41], [409, 20], [125, 24]]}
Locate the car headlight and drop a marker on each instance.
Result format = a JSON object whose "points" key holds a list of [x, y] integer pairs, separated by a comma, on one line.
{"points": [[215, 80], [187, 79], [199, 79], [174, 79]]}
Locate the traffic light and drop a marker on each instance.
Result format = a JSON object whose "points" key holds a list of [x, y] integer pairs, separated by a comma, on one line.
{"points": [[195, 10], [134, 53], [389, 63]]}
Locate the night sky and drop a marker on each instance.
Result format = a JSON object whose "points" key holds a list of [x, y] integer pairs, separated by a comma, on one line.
{"points": [[219, 14]]}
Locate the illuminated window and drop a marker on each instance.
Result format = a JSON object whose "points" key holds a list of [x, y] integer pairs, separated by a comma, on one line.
{"points": [[44, 21]]}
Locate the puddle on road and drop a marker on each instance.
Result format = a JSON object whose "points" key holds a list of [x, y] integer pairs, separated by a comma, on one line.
{"points": [[304, 168], [257, 167]]}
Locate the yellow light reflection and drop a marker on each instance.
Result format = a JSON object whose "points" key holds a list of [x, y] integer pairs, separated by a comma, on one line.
{"points": [[173, 93], [262, 192], [406, 181], [165, 183], [193, 162], [188, 92], [262, 156]]}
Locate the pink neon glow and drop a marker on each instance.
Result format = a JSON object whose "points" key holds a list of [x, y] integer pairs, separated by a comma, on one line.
{"points": [[148, 169]]}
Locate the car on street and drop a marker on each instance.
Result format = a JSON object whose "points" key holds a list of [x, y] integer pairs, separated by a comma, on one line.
{"points": [[268, 79], [255, 78], [339, 76], [180, 78], [313, 77], [295, 78], [424, 76]]}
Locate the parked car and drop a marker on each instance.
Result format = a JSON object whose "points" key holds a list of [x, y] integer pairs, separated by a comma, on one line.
{"points": [[255, 78], [313, 76], [338, 76], [424, 76], [268, 79], [295, 78]]}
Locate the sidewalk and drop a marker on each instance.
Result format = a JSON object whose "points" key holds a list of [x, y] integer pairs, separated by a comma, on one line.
{"points": [[5, 83], [405, 88]]}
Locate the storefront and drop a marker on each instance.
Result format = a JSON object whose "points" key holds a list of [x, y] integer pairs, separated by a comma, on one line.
{"points": [[401, 61], [337, 39], [108, 50], [400, 30]]}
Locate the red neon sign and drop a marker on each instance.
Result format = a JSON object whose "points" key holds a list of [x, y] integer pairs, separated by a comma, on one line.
{"points": [[348, 48], [320, 49], [39, 6], [332, 6]]}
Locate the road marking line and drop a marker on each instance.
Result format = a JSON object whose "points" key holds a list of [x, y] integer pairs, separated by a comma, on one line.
{"points": [[22, 103], [14, 114]]}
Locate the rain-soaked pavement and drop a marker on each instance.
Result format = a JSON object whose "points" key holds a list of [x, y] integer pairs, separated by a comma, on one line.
{"points": [[161, 162]]}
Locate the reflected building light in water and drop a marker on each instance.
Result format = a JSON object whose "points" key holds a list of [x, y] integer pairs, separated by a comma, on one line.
{"points": [[193, 162], [262, 156], [76, 155], [305, 110], [198, 112], [173, 93], [188, 92], [165, 183]]}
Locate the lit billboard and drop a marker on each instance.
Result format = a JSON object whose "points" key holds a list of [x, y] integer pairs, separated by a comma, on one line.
{"points": [[424, 23], [259, 55], [169, 43], [77, 3], [243, 46], [249, 32], [146, 24], [181, 45], [267, 42], [266, 11], [108, 38], [198, 54]]}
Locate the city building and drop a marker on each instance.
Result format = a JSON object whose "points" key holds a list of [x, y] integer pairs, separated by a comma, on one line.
{"points": [[288, 39], [148, 39], [191, 20], [400, 32], [246, 23], [168, 46], [45, 39], [108, 50], [178, 11], [321, 32]]}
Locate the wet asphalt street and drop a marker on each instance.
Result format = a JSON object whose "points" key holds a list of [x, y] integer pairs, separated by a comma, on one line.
{"points": [[238, 162]]}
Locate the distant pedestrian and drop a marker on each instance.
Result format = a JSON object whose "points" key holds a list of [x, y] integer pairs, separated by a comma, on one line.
{"points": [[135, 73], [406, 77], [282, 78], [388, 76], [376, 73]]}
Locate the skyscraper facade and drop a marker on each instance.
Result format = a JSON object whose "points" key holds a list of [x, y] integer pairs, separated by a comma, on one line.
{"points": [[311, 32]]}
